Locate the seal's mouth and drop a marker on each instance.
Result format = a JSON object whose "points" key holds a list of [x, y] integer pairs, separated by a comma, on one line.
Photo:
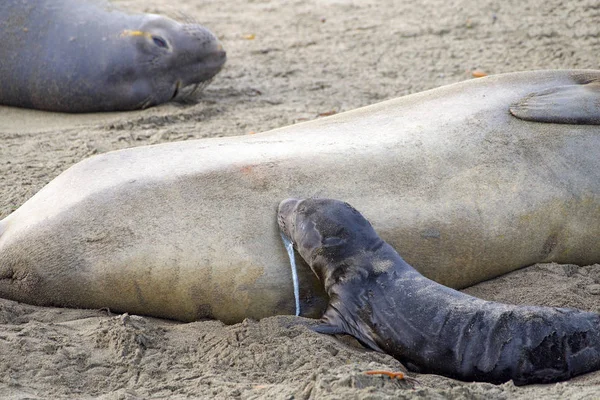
{"points": [[184, 93], [208, 65], [176, 91]]}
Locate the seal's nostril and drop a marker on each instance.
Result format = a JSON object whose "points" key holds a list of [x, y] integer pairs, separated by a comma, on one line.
{"points": [[220, 55]]}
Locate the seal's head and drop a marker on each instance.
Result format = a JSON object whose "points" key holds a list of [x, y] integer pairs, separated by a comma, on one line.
{"points": [[347, 255], [329, 234], [171, 56]]}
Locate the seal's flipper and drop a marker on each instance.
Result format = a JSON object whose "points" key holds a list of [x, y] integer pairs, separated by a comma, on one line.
{"points": [[333, 323], [570, 104], [328, 329]]}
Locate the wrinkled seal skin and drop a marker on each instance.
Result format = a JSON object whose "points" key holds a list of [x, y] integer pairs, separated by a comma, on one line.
{"points": [[85, 56], [389, 306], [464, 189]]}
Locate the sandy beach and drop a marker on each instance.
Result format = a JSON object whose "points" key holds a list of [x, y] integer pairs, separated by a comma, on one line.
{"points": [[288, 62]]}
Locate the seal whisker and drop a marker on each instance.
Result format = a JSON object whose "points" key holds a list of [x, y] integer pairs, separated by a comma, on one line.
{"points": [[196, 86], [147, 102], [180, 16]]}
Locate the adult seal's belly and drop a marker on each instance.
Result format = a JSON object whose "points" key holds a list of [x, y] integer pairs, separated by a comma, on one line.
{"points": [[461, 187], [86, 56]]}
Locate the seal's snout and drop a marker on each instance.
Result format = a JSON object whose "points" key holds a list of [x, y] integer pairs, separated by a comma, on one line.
{"points": [[197, 54], [287, 206], [210, 60], [204, 44], [213, 48], [218, 55], [284, 214]]}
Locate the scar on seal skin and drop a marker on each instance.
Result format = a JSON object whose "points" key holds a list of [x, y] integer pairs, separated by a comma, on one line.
{"points": [[387, 305]]}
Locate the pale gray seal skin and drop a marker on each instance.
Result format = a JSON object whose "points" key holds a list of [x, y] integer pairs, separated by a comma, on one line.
{"points": [[387, 305], [463, 189], [86, 56]]}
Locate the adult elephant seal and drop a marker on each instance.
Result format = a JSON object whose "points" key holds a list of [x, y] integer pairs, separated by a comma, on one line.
{"points": [[85, 56], [464, 189], [390, 307]]}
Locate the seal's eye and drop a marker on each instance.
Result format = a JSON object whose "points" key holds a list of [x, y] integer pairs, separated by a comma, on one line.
{"points": [[160, 42]]}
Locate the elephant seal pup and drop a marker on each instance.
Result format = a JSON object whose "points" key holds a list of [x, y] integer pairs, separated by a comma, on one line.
{"points": [[86, 56], [464, 189], [386, 304]]}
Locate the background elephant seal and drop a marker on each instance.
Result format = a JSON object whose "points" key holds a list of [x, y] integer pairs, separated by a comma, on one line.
{"points": [[85, 56], [390, 307], [464, 189]]}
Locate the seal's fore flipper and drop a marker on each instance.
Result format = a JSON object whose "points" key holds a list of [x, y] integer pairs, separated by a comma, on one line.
{"points": [[328, 329], [333, 324], [569, 104]]}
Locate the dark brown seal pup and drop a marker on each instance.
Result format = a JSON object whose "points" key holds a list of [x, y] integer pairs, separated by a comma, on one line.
{"points": [[86, 56], [390, 307]]}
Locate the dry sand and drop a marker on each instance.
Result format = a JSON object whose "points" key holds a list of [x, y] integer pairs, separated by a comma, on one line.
{"points": [[306, 59]]}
